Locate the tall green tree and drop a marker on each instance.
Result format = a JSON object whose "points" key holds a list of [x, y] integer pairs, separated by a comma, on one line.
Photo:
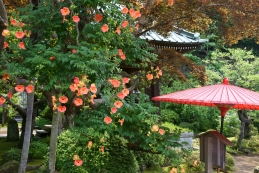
{"points": [[82, 51]]}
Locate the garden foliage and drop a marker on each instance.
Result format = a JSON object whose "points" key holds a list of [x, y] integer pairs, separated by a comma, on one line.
{"points": [[100, 153], [78, 54]]}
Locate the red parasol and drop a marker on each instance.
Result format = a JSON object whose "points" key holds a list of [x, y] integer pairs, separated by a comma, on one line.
{"points": [[223, 96]]}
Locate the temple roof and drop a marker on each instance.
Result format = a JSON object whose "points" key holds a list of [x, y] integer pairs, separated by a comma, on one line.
{"points": [[180, 40]]}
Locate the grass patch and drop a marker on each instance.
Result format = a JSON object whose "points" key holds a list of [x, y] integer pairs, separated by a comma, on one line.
{"points": [[5, 146], [35, 162]]}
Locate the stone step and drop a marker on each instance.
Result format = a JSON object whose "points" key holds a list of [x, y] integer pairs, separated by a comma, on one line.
{"points": [[42, 133], [47, 128]]}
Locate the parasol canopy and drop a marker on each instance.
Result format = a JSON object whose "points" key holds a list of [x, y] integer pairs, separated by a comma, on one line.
{"points": [[223, 96]]}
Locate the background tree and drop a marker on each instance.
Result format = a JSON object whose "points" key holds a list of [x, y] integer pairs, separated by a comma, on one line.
{"points": [[240, 67]]}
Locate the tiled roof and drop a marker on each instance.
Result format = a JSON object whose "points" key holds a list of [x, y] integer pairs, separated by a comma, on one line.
{"points": [[178, 40], [180, 36]]}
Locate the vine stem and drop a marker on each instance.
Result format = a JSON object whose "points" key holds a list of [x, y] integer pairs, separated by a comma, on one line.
{"points": [[77, 29]]}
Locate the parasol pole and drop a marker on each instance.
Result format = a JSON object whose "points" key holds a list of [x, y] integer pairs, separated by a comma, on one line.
{"points": [[223, 111], [221, 125]]}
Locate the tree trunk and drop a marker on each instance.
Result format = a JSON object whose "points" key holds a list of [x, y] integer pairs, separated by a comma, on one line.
{"points": [[4, 114], [20, 144], [53, 141], [245, 121], [34, 114], [241, 135], [27, 134], [3, 21]]}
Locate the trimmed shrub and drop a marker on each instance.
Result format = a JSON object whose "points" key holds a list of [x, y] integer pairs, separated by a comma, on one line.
{"points": [[116, 158], [38, 150]]}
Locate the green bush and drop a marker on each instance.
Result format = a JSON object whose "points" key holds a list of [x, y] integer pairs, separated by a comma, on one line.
{"points": [[231, 126], [174, 128], [116, 158], [149, 159], [38, 150], [40, 122], [169, 115], [230, 163], [253, 144], [12, 154], [186, 125]]}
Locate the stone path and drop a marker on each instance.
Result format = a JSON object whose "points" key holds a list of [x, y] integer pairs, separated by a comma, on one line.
{"points": [[246, 164], [2, 132]]}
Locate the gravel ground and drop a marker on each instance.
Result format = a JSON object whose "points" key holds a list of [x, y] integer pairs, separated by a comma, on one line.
{"points": [[246, 164]]}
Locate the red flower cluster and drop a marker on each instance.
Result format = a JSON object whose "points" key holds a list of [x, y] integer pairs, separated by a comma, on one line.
{"points": [[2, 100], [98, 18], [105, 28], [121, 95], [16, 23], [155, 128], [64, 11], [125, 10], [18, 34], [118, 30], [80, 87], [134, 14], [76, 19], [149, 76], [157, 72], [121, 54], [77, 160], [5, 77], [5, 45], [20, 88], [124, 24], [102, 149], [107, 120]]}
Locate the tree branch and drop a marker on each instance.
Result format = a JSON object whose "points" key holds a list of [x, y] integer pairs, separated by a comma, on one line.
{"points": [[18, 108]]}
